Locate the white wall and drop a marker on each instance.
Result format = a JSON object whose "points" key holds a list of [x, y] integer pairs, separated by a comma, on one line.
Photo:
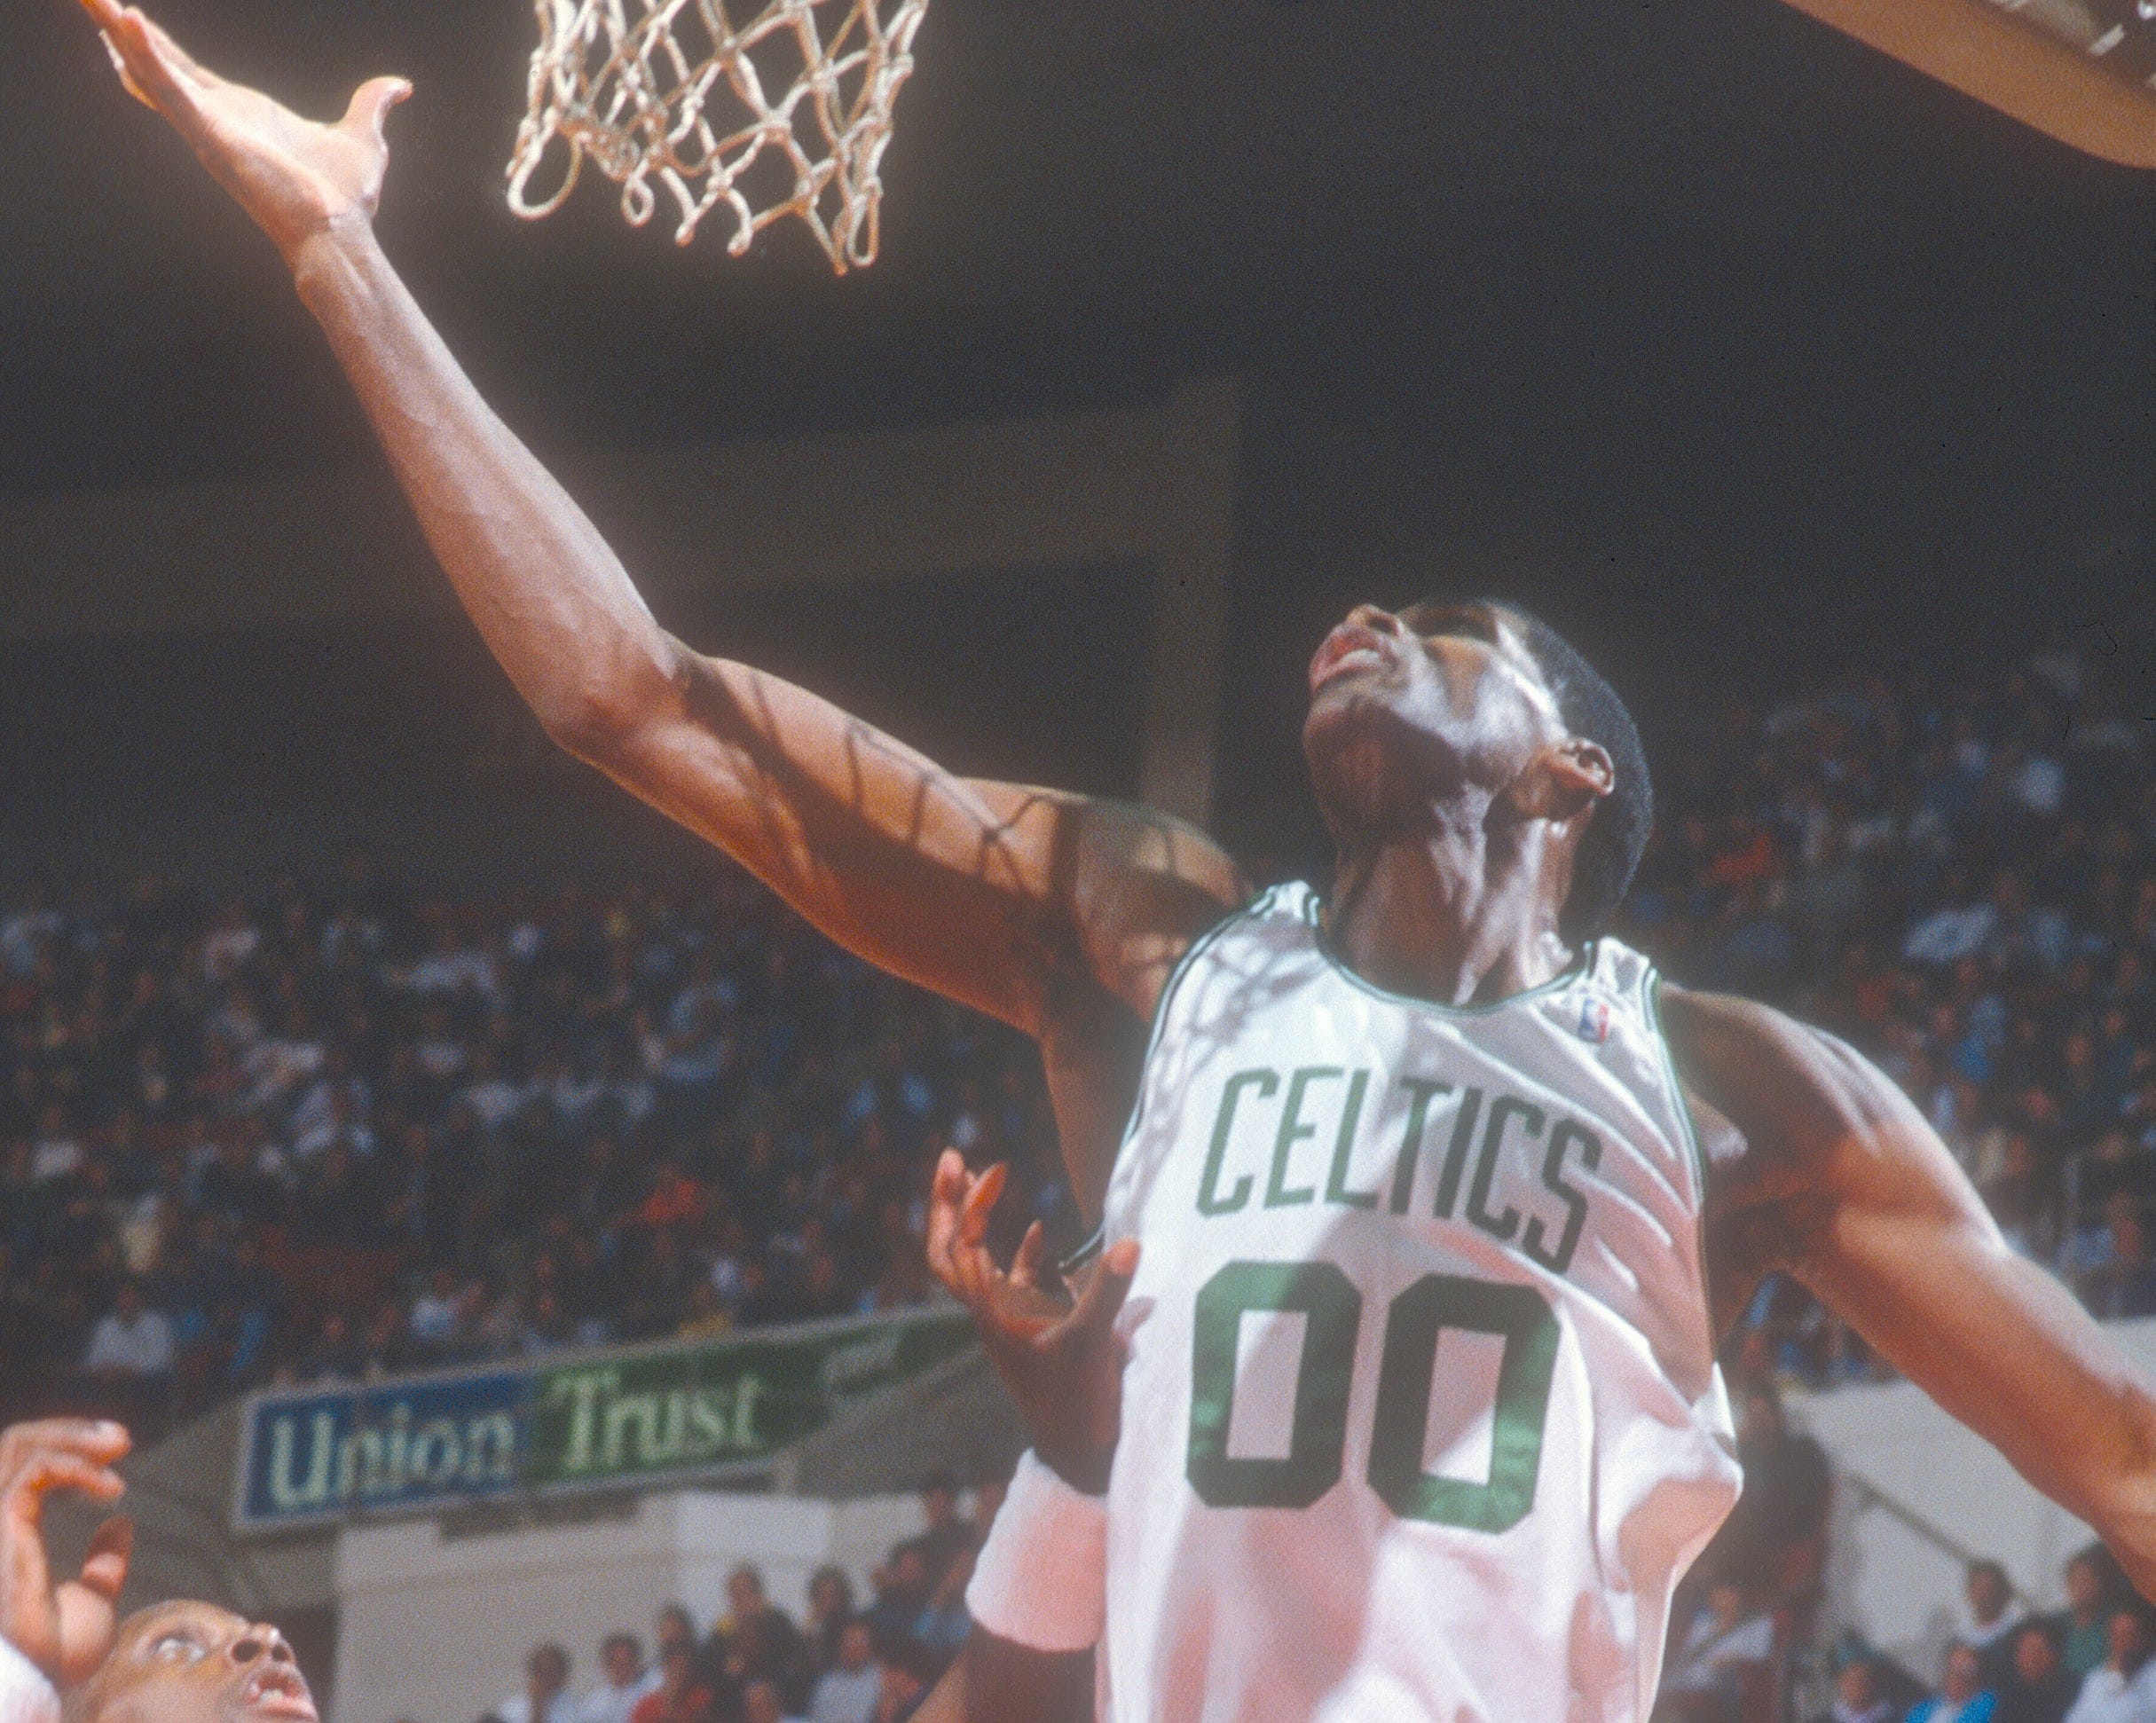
{"points": [[434, 1629], [1917, 1494]]}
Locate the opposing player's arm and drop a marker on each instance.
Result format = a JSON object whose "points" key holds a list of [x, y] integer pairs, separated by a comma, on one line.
{"points": [[1011, 899], [996, 1682], [1845, 1186]]}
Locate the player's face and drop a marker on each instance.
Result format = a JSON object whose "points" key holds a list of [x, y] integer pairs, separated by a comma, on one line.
{"points": [[195, 1662], [1408, 709]]}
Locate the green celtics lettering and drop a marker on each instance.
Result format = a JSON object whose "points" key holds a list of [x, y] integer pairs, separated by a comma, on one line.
{"points": [[1311, 1118]]}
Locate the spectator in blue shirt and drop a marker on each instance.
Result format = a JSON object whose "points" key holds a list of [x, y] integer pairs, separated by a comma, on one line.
{"points": [[1962, 1697]]}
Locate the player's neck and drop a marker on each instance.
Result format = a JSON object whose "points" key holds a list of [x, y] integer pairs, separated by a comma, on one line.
{"points": [[1448, 915]]}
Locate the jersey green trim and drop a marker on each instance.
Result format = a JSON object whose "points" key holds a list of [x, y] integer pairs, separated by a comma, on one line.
{"points": [[1577, 970], [1097, 1240], [1651, 994], [1651, 997]]}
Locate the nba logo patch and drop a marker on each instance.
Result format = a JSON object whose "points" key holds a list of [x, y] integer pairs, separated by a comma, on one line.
{"points": [[1594, 1021]]}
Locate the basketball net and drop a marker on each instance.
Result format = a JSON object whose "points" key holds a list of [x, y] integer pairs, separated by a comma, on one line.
{"points": [[675, 92]]}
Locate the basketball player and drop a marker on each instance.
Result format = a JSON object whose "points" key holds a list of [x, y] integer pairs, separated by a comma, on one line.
{"points": [[182, 1662], [1489, 1191]]}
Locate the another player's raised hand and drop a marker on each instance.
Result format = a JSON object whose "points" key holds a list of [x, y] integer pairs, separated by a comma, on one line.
{"points": [[66, 1629], [296, 178], [1063, 1362]]}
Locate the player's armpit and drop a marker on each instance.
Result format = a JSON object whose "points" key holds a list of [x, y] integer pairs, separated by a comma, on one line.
{"points": [[1878, 1221]]}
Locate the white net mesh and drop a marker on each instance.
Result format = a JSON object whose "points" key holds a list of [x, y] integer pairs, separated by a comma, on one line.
{"points": [[676, 92]]}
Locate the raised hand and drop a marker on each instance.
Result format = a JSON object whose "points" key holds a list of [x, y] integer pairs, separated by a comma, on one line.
{"points": [[1062, 1361], [296, 178], [66, 1629]]}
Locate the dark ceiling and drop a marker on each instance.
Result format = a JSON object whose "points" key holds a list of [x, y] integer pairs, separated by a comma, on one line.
{"points": [[1748, 352], [1696, 249]]}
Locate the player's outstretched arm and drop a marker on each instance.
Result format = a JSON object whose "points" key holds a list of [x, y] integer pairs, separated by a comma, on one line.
{"points": [[1846, 1187], [1021, 903]]}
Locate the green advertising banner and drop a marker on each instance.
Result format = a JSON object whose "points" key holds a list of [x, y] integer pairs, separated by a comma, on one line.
{"points": [[588, 1421], [614, 1419]]}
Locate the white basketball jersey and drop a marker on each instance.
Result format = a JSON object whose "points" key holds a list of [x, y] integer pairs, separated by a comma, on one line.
{"points": [[1422, 1418]]}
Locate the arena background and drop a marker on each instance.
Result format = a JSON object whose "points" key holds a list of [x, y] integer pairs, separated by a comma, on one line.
{"points": [[1757, 363]]}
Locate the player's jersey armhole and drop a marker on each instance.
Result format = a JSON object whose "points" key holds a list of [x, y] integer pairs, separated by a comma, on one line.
{"points": [[1257, 906], [1651, 994]]}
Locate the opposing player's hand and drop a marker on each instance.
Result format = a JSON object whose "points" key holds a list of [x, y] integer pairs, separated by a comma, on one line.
{"points": [[1062, 1361], [296, 178], [65, 1629]]}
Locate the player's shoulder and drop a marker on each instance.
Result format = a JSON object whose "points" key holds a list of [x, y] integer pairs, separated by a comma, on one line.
{"points": [[1798, 1095], [1105, 844], [1708, 1029], [1156, 888], [1149, 843], [1134, 888]]}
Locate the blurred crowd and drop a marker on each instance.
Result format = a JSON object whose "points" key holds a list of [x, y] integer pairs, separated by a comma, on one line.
{"points": [[1746, 1645], [2092, 1662], [308, 1135], [848, 1660], [1960, 879], [310, 1132]]}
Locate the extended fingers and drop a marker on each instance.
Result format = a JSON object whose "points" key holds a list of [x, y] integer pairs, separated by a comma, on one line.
{"points": [[981, 1201], [181, 62], [43, 1470], [976, 1264], [111, 1546], [1026, 1266], [149, 75], [109, 16], [946, 1196], [150, 64], [952, 1259], [97, 1439]]}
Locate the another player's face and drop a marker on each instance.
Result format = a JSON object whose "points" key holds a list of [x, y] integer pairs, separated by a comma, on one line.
{"points": [[1406, 709], [195, 1662]]}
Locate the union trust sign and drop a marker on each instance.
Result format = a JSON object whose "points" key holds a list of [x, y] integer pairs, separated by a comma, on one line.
{"points": [[573, 1423]]}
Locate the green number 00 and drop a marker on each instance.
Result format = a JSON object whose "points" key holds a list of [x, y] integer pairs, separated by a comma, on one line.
{"points": [[1332, 1310]]}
